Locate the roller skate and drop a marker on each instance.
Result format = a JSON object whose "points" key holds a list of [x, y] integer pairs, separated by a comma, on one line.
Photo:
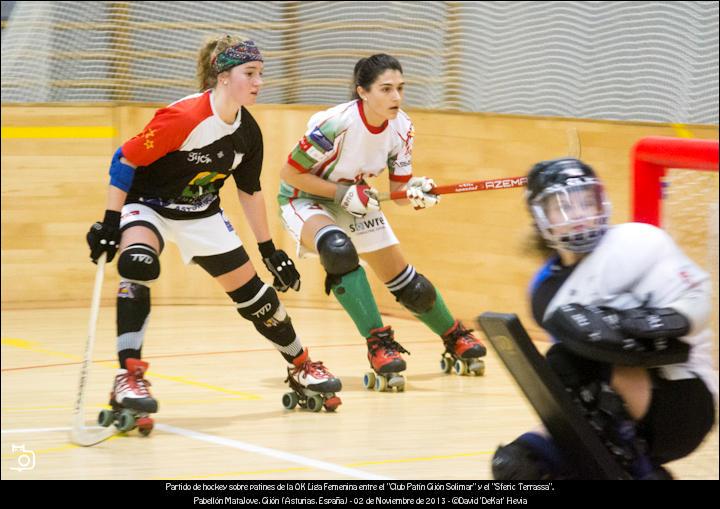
{"points": [[462, 352], [313, 386], [386, 362], [130, 400]]}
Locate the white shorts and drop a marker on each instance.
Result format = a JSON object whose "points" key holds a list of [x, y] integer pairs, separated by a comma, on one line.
{"points": [[194, 237], [368, 234]]}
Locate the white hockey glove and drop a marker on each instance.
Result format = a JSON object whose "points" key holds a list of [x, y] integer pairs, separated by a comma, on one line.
{"points": [[418, 192], [358, 200]]}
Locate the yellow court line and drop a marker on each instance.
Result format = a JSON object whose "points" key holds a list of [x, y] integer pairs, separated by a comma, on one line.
{"points": [[165, 402], [44, 451], [225, 474], [80, 131], [682, 131], [307, 469], [30, 346], [203, 385], [62, 448], [425, 458]]}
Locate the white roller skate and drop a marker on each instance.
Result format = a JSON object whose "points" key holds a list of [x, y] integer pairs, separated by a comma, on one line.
{"points": [[130, 400], [463, 352], [313, 386], [385, 360]]}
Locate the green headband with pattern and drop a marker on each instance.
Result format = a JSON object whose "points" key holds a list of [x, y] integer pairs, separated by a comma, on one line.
{"points": [[239, 54]]}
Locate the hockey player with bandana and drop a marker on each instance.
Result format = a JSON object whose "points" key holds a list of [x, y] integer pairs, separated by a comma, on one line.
{"points": [[164, 185], [615, 293], [329, 208]]}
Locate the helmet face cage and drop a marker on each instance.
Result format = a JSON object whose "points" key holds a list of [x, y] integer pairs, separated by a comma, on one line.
{"points": [[572, 215]]}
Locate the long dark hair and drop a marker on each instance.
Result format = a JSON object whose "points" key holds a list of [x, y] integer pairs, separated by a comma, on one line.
{"points": [[368, 69]]}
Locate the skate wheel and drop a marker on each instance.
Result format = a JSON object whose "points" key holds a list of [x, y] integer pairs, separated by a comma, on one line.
{"points": [[290, 400], [445, 364], [461, 367], [106, 418], [126, 421], [332, 403], [145, 425], [315, 403], [394, 381], [478, 370], [380, 383], [369, 380]]}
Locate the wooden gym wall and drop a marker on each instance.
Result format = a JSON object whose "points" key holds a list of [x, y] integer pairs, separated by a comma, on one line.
{"points": [[474, 247]]}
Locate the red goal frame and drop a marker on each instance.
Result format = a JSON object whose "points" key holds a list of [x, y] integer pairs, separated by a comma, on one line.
{"points": [[652, 157]]}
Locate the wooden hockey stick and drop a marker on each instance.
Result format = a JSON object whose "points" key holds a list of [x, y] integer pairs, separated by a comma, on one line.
{"points": [[464, 187], [79, 434], [574, 148]]}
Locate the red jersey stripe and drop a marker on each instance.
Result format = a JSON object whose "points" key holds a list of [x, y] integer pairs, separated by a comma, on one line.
{"points": [[168, 129]]}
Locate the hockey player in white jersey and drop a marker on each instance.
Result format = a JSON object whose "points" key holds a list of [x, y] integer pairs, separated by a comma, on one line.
{"points": [[329, 208], [615, 292]]}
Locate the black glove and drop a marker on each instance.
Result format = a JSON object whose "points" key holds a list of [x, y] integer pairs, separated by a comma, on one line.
{"points": [[653, 323], [281, 267], [104, 237]]}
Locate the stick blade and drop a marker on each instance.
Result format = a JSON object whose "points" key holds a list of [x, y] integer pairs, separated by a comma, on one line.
{"points": [[86, 437]]}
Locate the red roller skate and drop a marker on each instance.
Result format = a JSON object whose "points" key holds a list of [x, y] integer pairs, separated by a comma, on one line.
{"points": [[130, 400], [385, 360], [462, 352], [313, 386]]}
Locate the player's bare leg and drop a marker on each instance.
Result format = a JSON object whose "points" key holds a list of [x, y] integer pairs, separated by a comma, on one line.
{"points": [[635, 387]]}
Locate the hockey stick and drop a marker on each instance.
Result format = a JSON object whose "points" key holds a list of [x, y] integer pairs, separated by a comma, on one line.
{"points": [[574, 148], [79, 434], [464, 187]]}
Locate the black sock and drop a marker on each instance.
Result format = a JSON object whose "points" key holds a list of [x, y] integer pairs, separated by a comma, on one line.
{"points": [[124, 355]]}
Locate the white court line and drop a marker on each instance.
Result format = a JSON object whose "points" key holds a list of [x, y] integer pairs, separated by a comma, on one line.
{"points": [[236, 444], [273, 453]]}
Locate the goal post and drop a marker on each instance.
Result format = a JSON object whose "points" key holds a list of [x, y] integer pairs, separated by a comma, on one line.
{"points": [[675, 187], [652, 157]]}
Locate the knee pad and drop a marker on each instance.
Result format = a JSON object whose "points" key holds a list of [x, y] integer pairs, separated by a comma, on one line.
{"points": [[418, 295], [338, 256], [259, 303], [514, 462], [139, 262], [337, 253], [529, 457]]}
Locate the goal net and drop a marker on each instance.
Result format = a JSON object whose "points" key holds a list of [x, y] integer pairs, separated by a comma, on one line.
{"points": [[676, 187]]}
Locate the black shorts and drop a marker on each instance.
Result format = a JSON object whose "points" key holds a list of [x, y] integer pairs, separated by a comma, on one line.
{"points": [[681, 414]]}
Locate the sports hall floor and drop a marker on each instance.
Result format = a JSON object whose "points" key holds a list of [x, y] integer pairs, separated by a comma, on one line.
{"points": [[219, 386]]}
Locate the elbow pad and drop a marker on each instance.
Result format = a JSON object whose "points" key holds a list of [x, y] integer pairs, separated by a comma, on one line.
{"points": [[121, 174]]}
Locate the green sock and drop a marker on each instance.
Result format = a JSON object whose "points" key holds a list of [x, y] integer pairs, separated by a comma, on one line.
{"points": [[354, 294], [438, 318]]}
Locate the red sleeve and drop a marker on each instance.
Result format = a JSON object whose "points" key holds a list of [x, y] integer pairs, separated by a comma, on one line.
{"points": [[296, 165], [400, 178], [167, 131]]}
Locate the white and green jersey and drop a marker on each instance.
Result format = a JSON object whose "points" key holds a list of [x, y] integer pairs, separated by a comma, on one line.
{"points": [[340, 146]]}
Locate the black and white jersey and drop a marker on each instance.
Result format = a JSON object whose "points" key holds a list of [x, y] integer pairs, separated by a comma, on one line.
{"points": [[185, 154]]}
